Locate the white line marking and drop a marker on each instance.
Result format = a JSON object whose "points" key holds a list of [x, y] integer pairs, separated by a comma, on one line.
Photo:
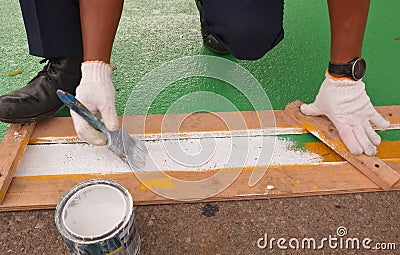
{"points": [[199, 154]]}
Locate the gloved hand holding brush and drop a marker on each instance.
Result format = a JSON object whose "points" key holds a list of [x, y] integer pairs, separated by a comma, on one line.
{"points": [[96, 91]]}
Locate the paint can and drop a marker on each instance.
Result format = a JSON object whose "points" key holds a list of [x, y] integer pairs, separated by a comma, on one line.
{"points": [[96, 218]]}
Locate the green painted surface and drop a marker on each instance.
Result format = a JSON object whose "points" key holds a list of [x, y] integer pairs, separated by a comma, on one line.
{"points": [[390, 135], [152, 33]]}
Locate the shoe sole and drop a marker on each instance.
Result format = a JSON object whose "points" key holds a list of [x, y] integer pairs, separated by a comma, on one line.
{"points": [[29, 120], [210, 42]]}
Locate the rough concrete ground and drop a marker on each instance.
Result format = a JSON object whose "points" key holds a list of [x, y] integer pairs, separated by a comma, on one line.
{"points": [[229, 227]]}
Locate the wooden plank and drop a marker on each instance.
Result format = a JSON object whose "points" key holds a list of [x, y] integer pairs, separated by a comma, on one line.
{"points": [[12, 148], [44, 192], [372, 167], [56, 130], [61, 130]]}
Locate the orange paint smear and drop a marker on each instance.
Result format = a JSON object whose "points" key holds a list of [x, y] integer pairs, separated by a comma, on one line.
{"points": [[158, 183], [386, 150], [326, 153]]}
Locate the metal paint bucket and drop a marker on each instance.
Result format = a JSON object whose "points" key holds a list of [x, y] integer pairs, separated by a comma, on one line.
{"points": [[96, 218]]}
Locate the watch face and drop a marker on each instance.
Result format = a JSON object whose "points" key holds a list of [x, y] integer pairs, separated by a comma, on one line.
{"points": [[359, 68]]}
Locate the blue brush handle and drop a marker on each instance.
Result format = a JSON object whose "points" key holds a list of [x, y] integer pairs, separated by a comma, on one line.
{"points": [[73, 103]]}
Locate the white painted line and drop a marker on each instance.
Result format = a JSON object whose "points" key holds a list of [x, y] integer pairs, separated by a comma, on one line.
{"points": [[184, 154]]}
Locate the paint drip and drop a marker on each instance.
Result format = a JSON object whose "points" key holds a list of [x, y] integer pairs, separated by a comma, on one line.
{"points": [[96, 217]]}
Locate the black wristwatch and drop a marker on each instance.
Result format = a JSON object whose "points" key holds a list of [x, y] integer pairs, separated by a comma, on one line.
{"points": [[354, 69]]}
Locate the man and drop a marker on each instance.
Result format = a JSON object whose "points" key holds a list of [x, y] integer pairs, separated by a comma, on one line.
{"points": [[247, 29]]}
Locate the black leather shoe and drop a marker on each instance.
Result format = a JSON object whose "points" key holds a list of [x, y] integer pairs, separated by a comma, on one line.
{"points": [[38, 100], [209, 39]]}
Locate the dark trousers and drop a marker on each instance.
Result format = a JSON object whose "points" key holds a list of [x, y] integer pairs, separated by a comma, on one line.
{"points": [[53, 27], [247, 28]]}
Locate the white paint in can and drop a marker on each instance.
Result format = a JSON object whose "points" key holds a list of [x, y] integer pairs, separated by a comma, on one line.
{"points": [[96, 217], [95, 211]]}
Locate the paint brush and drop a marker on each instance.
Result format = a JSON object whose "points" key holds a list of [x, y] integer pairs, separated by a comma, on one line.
{"points": [[130, 150]]}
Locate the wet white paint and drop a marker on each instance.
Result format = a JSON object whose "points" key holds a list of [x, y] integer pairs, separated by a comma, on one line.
{"points": [[198, 153], [95, 211]]}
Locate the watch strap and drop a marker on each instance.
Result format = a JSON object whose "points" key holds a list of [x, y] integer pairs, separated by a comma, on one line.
{"points": [[340, 69], [350, 69]]}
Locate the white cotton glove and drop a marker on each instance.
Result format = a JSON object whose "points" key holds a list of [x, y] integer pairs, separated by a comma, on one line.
{"points": [[346, 103], [96, 91]]}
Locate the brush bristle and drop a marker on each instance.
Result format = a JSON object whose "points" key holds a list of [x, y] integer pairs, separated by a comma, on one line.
{"points": [[135, 154], [129, 149]]}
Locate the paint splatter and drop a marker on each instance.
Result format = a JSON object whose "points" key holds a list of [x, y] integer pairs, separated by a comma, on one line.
{"points": [[16, 72], [270, 187], [16, 135]]}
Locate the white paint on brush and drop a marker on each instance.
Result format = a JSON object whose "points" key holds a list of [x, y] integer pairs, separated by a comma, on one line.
{"points": [[183, 154]]}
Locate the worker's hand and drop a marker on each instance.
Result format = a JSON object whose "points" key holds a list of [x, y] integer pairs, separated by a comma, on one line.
{"points": [[96, 91], [346, 103]]}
